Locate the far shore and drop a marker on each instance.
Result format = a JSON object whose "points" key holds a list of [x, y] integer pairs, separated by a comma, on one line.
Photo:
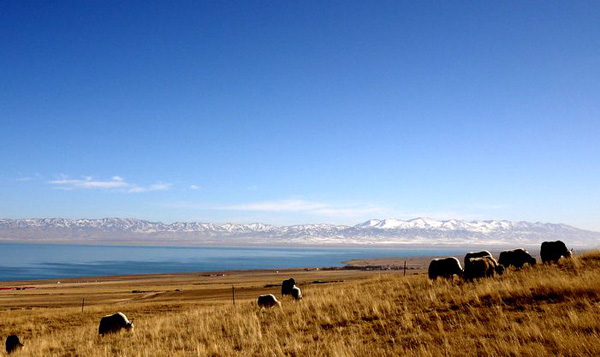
{"points": [[241, 244]]}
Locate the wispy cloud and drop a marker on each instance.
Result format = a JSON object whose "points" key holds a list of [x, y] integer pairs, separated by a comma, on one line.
{"points": [[155, 187], [115, 183], [89, 182], [35, 176], [304, 211], [285, 205], [340, 210], [195, 187], [343, 210]]}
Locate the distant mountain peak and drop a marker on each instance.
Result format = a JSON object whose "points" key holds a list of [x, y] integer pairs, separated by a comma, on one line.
{"points": [[420, 230]]}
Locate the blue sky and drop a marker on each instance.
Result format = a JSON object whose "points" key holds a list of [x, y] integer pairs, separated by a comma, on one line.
{"points": [[290, 112]]}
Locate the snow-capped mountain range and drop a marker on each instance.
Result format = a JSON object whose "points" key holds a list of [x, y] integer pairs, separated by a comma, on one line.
{"points": [[418, 231]]}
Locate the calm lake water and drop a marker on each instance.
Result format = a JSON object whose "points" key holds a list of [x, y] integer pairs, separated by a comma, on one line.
{"points": [[33, 261]]}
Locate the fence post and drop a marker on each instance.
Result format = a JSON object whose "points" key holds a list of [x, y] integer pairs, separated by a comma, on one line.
{"points": [[82, 304], [405, 268], [233, 294]]}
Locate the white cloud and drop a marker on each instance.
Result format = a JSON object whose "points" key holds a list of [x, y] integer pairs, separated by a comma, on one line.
{"points": [[294, 211], [155, 187], [351, 210], [345, 211], [115, 183], [35, 176], [160, 187], [195, 187], [285, 205], [89, 183]]}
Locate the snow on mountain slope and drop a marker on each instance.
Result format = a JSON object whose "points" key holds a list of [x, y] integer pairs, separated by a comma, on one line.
{"points": [[375, 231]]}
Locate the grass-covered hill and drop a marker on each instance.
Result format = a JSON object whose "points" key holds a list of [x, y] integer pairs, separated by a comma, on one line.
{"points": [[546, 310]]}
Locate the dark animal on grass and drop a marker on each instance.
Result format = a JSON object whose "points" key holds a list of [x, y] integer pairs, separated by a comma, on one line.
{"points": [[481, 268], [553, 251], [296, 293], [287, 286], [114, 323], [13, 344], [499, 269], [444, 267], [268, 301], [483, 253], [516, 258]]}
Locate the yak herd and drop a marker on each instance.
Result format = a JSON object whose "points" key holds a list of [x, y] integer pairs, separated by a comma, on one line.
{"points": [[477, 265], [482, 264]]}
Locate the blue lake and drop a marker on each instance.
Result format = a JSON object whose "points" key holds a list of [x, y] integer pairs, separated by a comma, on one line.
{"points": [[34, 261]]}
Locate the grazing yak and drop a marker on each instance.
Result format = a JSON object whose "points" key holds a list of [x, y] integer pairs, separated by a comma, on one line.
{"points": [[470, 255], [268, 300], [296, 293], [13, 344], [444, 267], [114, 323], [553, 251], [475, 271], [287, 286], [482, 267], [516, 258]]}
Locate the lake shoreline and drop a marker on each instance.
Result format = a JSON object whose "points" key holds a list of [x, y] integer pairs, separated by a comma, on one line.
{"points": [[41, 262], [369, 264], [26, 262]]}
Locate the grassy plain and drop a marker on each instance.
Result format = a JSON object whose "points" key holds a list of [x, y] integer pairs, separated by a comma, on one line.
{"points": [[539, 311]]}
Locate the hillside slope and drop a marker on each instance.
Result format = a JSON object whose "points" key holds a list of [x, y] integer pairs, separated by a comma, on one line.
{"points": [[539, 311]]}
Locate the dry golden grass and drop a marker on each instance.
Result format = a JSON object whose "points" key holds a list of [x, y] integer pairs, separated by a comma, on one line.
{"points": [[541, 311]]}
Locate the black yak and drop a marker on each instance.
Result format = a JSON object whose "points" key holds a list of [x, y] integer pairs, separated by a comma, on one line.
{"points": [[553, 251], [114, 323], [516, 258], [287, 286], [482, 267], [13, 344], [268, 300], [444, 267], [483, 253]]}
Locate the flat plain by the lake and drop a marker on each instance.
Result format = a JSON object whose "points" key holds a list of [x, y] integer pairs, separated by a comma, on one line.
{"points": [[174, 289]]}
